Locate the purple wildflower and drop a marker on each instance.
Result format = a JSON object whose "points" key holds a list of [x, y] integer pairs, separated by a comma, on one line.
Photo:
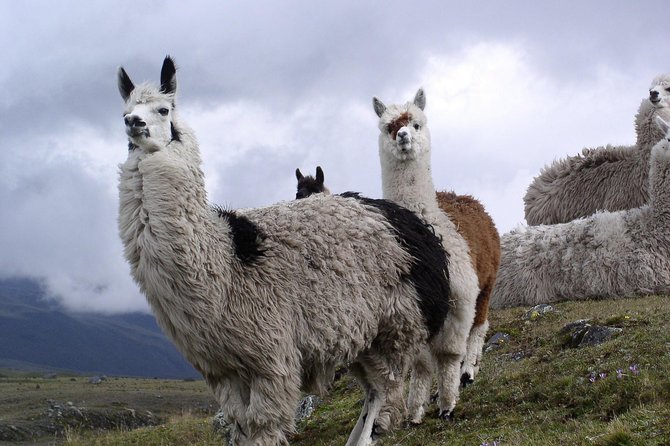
{"points": [[592, 377], [619, 374], [602, 375], [633, 368]]}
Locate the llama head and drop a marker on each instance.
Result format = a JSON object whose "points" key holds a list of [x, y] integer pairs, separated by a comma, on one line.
{"points": [[659, 90], [309, 185], [404, 134], [149, 111]]}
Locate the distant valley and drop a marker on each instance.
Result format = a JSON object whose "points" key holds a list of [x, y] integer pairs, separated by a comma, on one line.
{"points": [[36, 334]]}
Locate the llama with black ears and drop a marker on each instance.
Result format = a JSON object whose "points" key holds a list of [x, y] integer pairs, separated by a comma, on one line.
{"points": [[468, 235], [309, 185], [267, 302]]}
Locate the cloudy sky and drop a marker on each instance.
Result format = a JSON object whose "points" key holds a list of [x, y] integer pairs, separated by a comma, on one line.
{"points": [[269, 86]]}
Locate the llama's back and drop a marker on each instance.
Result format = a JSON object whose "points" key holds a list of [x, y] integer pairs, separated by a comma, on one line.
{"points": [[608, 178], [352, 275]]}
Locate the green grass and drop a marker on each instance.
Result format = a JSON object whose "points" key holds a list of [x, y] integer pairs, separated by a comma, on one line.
{"points": [[533, 390]]}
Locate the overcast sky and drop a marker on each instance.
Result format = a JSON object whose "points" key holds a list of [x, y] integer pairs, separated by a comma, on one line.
{"points": [[269, 86]]}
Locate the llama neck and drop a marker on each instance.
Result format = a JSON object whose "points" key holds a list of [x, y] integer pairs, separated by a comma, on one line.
{"points": [[409, 183], [648, 132], [171, 239], [659, 187]]}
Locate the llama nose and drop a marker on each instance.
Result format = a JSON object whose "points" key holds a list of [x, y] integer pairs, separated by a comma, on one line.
{"points": [[653, 94], [402, 134], [133, 121]]}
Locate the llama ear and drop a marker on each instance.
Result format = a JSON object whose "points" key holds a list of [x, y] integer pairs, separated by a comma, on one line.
{"points": [[319, 174], [168, 76], [420, 99], [379, 106], [124, 83], [298, 175]]}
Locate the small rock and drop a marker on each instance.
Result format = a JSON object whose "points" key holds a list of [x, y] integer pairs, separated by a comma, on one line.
{"points": [[537, 311], [306, 407], [597, 334], [95, 380], [582, 334], [496, 341]]}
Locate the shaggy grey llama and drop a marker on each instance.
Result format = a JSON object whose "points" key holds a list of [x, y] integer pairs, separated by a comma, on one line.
{"points": [[608, 178], [404, 152], [606, 255], [268, 302]]}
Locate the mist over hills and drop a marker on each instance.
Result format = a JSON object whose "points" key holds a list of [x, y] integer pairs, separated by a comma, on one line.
{"points": [[37, 334]]}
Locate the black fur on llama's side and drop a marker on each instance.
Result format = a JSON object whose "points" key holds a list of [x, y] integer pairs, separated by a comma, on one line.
{"points": [[430, 259], [247, 238]]}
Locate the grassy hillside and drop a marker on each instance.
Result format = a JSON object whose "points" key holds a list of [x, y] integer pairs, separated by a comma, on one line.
{"points": [[533, 390]]}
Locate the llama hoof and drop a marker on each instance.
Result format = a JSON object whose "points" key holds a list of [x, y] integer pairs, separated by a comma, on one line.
{"points": [[447, 415], [466, 380], [377, 432]]}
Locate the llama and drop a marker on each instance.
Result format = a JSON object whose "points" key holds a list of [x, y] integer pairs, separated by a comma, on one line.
{"points": [[476, 225], [309, 185], [267, 303], [469, 236], [606, 255], [608, 178]]}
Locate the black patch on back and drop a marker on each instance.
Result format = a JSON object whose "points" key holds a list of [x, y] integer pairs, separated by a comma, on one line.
{"points": [[247, 238], [428, 273], [308, 186]]}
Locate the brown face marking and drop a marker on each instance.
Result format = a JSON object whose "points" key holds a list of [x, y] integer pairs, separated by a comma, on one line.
{"points": [[398, 123]]}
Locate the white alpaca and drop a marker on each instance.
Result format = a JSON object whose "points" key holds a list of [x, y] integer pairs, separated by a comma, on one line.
{"points": [[611, 178], [606, 255], [268, 302], [404, 152]]}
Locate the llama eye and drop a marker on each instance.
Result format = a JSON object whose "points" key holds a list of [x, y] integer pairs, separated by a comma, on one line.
{"points": [[417, 126], [163, 111], [667, 89]]}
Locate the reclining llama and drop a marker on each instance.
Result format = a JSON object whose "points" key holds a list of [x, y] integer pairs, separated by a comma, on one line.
{"points": [[267, 302], [606, 255], [468, 234], [608, 178], [309, 185]]}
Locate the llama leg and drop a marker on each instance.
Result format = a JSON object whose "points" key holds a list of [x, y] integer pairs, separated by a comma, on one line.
{"points": [[470, 366], [355, 434], [368, 434], [448, 383], [271, 409], [448, 348], [419, 386], [233, 397]]}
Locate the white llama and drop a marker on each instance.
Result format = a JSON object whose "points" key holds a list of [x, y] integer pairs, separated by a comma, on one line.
{"points": [[606, 255], [404, 151], [611, 178], [269, 302]]}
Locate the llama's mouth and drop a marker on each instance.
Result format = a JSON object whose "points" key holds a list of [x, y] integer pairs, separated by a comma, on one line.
{"points": [[655, 101], [137, 132]]}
